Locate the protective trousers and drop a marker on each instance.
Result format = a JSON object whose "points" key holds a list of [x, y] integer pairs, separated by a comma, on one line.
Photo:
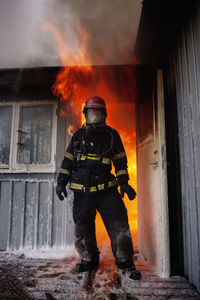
{"points": [[114, 215]]}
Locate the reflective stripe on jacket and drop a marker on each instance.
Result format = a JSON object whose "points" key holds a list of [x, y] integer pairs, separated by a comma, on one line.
{"points": [[88, 161]]}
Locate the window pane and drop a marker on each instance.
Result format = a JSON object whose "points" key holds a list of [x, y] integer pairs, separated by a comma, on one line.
{"points": [[5, 133], [35, 134]]}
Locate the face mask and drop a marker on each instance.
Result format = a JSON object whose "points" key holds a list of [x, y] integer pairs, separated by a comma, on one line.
{"points": [[94, 116]]}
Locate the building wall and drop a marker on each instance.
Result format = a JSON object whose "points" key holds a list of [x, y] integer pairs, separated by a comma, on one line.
{"points": [[31, 215], [169, 38], [185, 69]]}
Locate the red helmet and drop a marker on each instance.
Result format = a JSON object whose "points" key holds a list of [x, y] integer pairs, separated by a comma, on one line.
{"points": [[96, 103]]}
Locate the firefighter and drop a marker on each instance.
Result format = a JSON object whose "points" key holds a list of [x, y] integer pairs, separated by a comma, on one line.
{"points": [[87, 168]]}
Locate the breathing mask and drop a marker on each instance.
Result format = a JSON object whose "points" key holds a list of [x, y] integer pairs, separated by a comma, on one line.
{"points": [[95, 116]]}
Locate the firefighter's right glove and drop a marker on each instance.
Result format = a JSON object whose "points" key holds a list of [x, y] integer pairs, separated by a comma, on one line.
{"points": [[126, 188], [60, 188]]}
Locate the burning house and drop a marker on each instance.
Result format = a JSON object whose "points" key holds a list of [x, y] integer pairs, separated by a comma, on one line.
{"points": [[153, 101], [32, 133]]}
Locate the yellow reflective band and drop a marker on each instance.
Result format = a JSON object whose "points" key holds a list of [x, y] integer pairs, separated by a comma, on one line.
{"points": [[121, 172], [112, 183], [93, 158], [99, 187], [92, 189], [69, 155], [83, 157], [96, 157], [65, 171], [106, 161], [76, 186], [119, 155]]}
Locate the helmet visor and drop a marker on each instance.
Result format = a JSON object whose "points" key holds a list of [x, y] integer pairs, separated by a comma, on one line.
{"points": [[94, 116]]}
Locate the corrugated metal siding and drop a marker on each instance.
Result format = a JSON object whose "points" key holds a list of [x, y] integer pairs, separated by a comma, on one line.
{"points": [[32, 217], [185, 65]]}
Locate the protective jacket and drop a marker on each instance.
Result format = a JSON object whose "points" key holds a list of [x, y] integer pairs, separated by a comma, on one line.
{"points": [[88, 160]]}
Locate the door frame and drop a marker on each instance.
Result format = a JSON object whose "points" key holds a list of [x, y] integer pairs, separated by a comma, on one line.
{"points": [[154, 243]]}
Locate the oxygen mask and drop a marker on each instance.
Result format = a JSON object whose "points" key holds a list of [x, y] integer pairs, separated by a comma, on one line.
{"points": [[95, 116]]}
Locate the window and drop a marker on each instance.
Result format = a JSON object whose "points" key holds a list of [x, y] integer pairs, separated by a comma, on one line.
{"points": [[5, 134], [27, 137]]}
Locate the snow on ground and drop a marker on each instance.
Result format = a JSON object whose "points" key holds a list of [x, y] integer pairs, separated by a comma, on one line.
{"points": [[49, 274]]}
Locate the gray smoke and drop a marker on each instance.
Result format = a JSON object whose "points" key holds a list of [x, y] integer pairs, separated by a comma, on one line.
{"points": [[26, 42]]}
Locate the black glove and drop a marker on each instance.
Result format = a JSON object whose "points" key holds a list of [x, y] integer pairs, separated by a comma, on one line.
{"points": [[60, 188], [126, 188]]}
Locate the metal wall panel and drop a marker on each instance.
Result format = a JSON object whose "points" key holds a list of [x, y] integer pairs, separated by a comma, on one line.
{"points": [[185, 64], [44, 216], [5, 212], [32, 217], [17, 215]]}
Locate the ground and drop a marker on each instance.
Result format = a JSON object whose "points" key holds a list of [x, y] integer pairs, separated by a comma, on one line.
{"points": [[23, 278]]}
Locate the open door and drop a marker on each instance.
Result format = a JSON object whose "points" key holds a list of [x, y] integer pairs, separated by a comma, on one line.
{"points": [[153, 229]]}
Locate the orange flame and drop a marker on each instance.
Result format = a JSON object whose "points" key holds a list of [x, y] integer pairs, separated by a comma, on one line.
{"points": [[78, 80], [70, 130], [124, 112]]}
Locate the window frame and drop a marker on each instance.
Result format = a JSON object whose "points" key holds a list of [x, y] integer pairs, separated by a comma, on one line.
{"points": [[15, 167]]}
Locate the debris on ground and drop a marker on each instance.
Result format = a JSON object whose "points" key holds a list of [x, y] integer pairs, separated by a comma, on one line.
{"points": [[23, 278]]}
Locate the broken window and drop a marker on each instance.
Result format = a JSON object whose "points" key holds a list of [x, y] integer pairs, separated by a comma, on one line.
{"points": [[5, 134]]}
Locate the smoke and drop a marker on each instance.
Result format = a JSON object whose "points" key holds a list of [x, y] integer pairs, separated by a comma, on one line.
{"points": [[26, 41]]}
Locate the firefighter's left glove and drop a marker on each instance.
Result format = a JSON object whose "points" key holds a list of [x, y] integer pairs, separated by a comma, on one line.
{"points": [[126, 188], [60, 188]]}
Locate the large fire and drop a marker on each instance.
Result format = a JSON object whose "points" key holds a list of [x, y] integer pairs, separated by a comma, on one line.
{"points": [[76, 81]]}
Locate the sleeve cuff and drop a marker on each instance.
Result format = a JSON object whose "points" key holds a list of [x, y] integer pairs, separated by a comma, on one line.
{"points": [[62, 179]]}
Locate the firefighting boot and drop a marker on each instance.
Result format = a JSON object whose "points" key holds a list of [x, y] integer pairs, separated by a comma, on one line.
{"points": [[131, 274], [128, 269], [86, 266]]}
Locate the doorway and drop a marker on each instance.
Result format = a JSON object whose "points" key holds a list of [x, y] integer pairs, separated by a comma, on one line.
{"points": [[135, 103]]}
